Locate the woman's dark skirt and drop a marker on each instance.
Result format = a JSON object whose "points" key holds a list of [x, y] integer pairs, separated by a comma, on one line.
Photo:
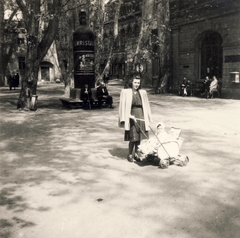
{"points": [[137, 131]]}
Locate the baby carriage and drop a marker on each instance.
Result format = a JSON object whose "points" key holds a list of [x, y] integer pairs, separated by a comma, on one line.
{"points": [[164, 146]]}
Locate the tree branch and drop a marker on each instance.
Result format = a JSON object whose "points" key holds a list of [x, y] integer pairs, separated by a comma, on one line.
{"points": [[23, 8], [51, 31]]}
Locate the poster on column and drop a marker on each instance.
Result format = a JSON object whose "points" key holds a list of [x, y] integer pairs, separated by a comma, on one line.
{"points": [[84, 62]]}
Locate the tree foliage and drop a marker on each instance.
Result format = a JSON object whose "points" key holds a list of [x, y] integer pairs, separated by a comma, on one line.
{"points": [[114, 8], [49, 20], [41, 24], [8, 34]]}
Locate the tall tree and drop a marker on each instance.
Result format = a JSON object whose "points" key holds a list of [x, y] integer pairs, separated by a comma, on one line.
{"points": [[164, 44], [96, 16], [114, 6], [64, 42], [143, 52], [69, 14], [1, 42], [38, 42], [8, 34]]}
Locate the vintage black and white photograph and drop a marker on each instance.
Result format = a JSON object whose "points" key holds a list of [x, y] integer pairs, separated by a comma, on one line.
{"points": [[119, 118]]}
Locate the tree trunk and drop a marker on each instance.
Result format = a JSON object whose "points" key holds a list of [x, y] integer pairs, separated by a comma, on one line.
{"points": [[97, 16], [114, 37], [65, 52], [29, 82], [8, 44], [36, 49], [164, 43], [1, 43], [142, 52]]}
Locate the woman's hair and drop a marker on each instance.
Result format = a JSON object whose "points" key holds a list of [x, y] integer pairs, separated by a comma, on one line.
{"points": [[135, 77]]}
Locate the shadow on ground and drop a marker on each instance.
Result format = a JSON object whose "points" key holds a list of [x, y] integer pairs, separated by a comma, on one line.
{"points": [[64, 172]]}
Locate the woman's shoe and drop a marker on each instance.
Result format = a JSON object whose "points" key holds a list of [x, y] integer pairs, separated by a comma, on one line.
{"points": [[136, 157], [129, 158]]}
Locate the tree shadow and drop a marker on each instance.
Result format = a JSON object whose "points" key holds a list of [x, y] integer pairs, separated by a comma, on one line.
{"points": [[23, 223], [120, 153], [12, 202], [5, 225]]}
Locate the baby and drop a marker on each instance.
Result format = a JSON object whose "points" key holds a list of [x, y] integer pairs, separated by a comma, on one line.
{"points": [[151, 145], [163, 144]]}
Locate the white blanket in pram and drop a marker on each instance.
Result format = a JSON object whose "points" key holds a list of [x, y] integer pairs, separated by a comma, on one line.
{"points": [[164, 145]]}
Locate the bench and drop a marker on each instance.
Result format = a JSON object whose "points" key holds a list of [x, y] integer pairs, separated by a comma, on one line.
{"points": [[216, 91], [94, 96], [74, 101], [198, 87]]}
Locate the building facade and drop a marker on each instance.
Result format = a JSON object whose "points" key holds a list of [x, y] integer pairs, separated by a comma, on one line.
{"points": [[49, 68], [206, 42]]}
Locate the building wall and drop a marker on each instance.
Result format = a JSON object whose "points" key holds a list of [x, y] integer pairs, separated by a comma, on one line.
{"points": [[186, 55]]}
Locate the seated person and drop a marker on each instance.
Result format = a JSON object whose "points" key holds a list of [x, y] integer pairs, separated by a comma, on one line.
{"points": [[206, 84], [189, 88], [213, 86], [186, 87], [102, 93], [86, 96]]}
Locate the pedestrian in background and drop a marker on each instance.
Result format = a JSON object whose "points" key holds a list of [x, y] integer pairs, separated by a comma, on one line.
{"points": [[134, 116], [106, 79], [10, 81], [16, 80]]}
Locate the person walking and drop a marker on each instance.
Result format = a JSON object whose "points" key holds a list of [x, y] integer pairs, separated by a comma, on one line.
{"points": [[11, 81], [106, 79], [16, 80], [134, 116]]}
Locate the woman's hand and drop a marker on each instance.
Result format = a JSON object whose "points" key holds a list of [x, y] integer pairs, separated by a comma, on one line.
{"points": [[132, 117]]}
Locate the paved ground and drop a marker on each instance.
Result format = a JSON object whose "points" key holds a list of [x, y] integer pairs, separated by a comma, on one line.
{"points": [[64, 173]]}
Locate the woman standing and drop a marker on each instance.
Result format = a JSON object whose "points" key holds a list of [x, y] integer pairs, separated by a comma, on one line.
{"points": [[134, 116]]}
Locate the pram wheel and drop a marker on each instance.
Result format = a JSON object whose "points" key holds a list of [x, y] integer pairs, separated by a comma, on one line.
{"points": [[150, 157], [163, 164]]}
